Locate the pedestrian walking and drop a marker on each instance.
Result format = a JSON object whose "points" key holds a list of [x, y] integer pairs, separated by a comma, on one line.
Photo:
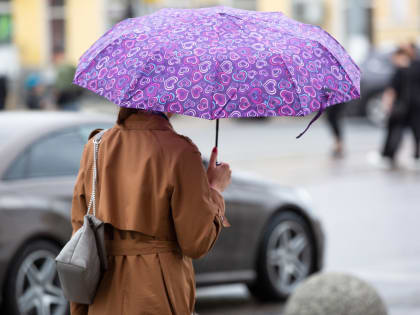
{"points": [[67, 95], [403, 103], [395, 102], [161, 208], [412, 118], [334, 119]]}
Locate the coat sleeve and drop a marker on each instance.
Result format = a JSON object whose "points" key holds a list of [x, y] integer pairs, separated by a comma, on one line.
{"points": [[78, 211], [198, 210]]}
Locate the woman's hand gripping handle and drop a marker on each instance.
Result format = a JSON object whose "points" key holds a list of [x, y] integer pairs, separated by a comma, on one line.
{"points": [[218, 174]]}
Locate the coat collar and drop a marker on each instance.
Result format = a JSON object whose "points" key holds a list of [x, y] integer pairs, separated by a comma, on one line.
{"points": [[146, 121]]}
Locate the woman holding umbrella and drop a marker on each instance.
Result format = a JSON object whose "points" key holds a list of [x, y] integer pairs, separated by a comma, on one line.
{"points": [[161, 208], [209, 63]]}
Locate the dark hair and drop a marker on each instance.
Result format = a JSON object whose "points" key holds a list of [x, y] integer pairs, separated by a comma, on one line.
{"points": [[124, 113]]}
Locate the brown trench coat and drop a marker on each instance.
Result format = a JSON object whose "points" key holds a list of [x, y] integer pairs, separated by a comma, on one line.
{"points": [[154, 193]]}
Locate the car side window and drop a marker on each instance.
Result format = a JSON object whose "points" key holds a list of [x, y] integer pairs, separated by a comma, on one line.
{"points": [[56, 155], [18, 168]]}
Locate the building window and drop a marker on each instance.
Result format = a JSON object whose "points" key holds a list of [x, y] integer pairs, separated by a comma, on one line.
{"points": [[308, 11], [5, 22], [57, 3], [56, 9], [399, 10], [118, 10]]}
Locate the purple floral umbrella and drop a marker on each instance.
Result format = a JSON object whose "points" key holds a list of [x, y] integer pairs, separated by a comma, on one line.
{"points": [[219, 63]]}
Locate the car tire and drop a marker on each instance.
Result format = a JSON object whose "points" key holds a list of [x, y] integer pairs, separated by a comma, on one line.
{"points": [[32, 285], [285, 257]]}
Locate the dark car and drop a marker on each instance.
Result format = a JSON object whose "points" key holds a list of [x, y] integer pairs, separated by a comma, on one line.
{"points": [[275, 240]]}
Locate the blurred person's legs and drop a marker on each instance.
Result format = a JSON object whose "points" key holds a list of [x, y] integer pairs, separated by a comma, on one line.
{"points": [[334, 118], [397, 122], [414, 124], [33, 99], [394, 134], [416, 132], [3, 92], [395, 130]]}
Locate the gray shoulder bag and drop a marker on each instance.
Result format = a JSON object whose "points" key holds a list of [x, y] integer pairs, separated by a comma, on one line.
{"points": [[82, 261]]}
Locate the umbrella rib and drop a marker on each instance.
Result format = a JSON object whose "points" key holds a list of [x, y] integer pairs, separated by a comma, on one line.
{"points": [[289, 74], [224, 106], [336, 59]]}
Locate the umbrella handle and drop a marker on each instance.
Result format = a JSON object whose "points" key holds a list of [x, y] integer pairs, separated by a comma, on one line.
{"points": [[217, 138]]}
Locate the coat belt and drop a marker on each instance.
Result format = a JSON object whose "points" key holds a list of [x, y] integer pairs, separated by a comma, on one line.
{"points": [[133, 247]]}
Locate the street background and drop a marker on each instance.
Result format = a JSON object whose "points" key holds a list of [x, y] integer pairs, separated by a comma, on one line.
{"points": [[370, 214]]}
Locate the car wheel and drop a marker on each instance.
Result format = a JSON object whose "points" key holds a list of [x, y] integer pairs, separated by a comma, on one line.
{"points": [[375, 111], [33, 286], [285, 258]]}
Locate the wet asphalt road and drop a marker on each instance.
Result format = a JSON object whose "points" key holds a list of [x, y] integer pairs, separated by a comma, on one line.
{"points": [[371, 216]]}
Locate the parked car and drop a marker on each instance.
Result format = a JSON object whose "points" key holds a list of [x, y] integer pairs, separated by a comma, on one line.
{"points": [[274, 243]]}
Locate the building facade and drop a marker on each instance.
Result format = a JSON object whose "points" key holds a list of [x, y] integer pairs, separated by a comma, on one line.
{"points": [[43, 29], [398, 20]]}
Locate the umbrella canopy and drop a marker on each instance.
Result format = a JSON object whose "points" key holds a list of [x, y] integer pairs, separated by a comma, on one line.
{"points": [[219, 63]]}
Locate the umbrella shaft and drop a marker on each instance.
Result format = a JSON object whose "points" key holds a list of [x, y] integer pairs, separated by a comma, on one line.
{"points": [[217, 133], [217, 137]]}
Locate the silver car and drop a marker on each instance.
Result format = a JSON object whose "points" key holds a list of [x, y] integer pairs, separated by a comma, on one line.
{"points": [[274, 243]]}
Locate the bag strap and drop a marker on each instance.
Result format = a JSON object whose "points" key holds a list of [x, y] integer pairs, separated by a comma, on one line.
{"points": [[96, 141]]}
